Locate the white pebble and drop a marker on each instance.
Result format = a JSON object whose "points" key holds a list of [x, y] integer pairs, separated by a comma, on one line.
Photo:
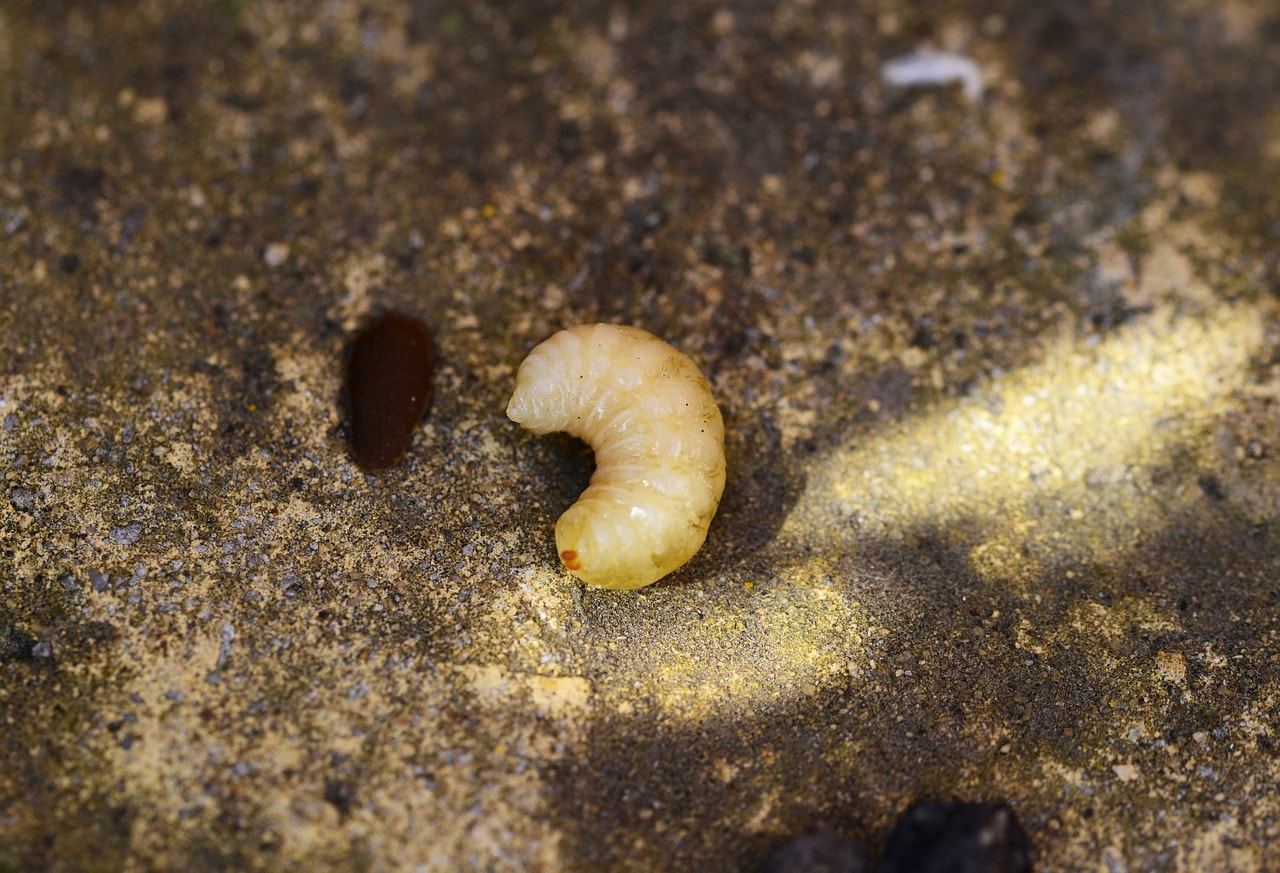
{"points": [[276, 254]]}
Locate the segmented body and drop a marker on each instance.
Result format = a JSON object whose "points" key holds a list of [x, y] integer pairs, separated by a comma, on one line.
{"points": [[647, 412]]}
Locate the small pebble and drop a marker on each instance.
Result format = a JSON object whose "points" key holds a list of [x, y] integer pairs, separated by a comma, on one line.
{"points": [[276, 254], [22, 500], [126, 535], [99, 580], [935, 836]]}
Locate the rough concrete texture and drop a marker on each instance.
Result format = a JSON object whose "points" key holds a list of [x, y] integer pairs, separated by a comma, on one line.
{"points": [[1000, 377]]}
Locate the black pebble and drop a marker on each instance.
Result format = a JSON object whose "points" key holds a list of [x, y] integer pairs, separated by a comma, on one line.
{"points": [[389, 383], [816, 852], [952, 837]]}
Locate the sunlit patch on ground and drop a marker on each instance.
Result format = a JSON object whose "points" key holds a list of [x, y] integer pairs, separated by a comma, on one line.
{"points": [[1055, 453]]}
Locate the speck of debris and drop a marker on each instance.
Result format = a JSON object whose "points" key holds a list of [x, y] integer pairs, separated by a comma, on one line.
{"points": [[341, 795], [99, 580], [22, 500], [276, 254], [1212, 488], [126, 535]]}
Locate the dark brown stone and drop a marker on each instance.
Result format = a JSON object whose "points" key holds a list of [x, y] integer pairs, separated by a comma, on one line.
{"points": [[389, 383]]}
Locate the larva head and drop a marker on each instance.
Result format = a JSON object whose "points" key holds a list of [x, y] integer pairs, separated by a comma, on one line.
{"points": [[614, 545], [596, 561]]}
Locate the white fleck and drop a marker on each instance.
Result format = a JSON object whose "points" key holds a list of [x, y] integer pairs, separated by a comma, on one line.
{"points": [[276, 254], [929, 67], [1126, 772], [126, 535]]}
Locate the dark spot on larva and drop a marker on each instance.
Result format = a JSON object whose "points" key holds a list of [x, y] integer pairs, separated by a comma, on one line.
{"points": [[389, 385], [570, 559]]}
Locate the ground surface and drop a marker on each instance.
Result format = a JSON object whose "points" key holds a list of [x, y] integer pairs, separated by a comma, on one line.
{"points": [[1000, 377]]}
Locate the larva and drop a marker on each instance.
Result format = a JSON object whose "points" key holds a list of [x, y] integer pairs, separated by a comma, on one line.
{"points": [[647, 412]]}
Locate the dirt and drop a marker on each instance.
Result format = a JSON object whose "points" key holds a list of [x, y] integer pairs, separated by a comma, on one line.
{"points": [[999, 378]]}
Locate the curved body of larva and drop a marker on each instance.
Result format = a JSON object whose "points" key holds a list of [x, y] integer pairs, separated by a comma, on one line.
{"points": [[647, 412]]}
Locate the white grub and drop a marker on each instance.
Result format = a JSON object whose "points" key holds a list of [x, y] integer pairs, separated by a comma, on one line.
{"points": [[928, 67], [647, 412]]}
